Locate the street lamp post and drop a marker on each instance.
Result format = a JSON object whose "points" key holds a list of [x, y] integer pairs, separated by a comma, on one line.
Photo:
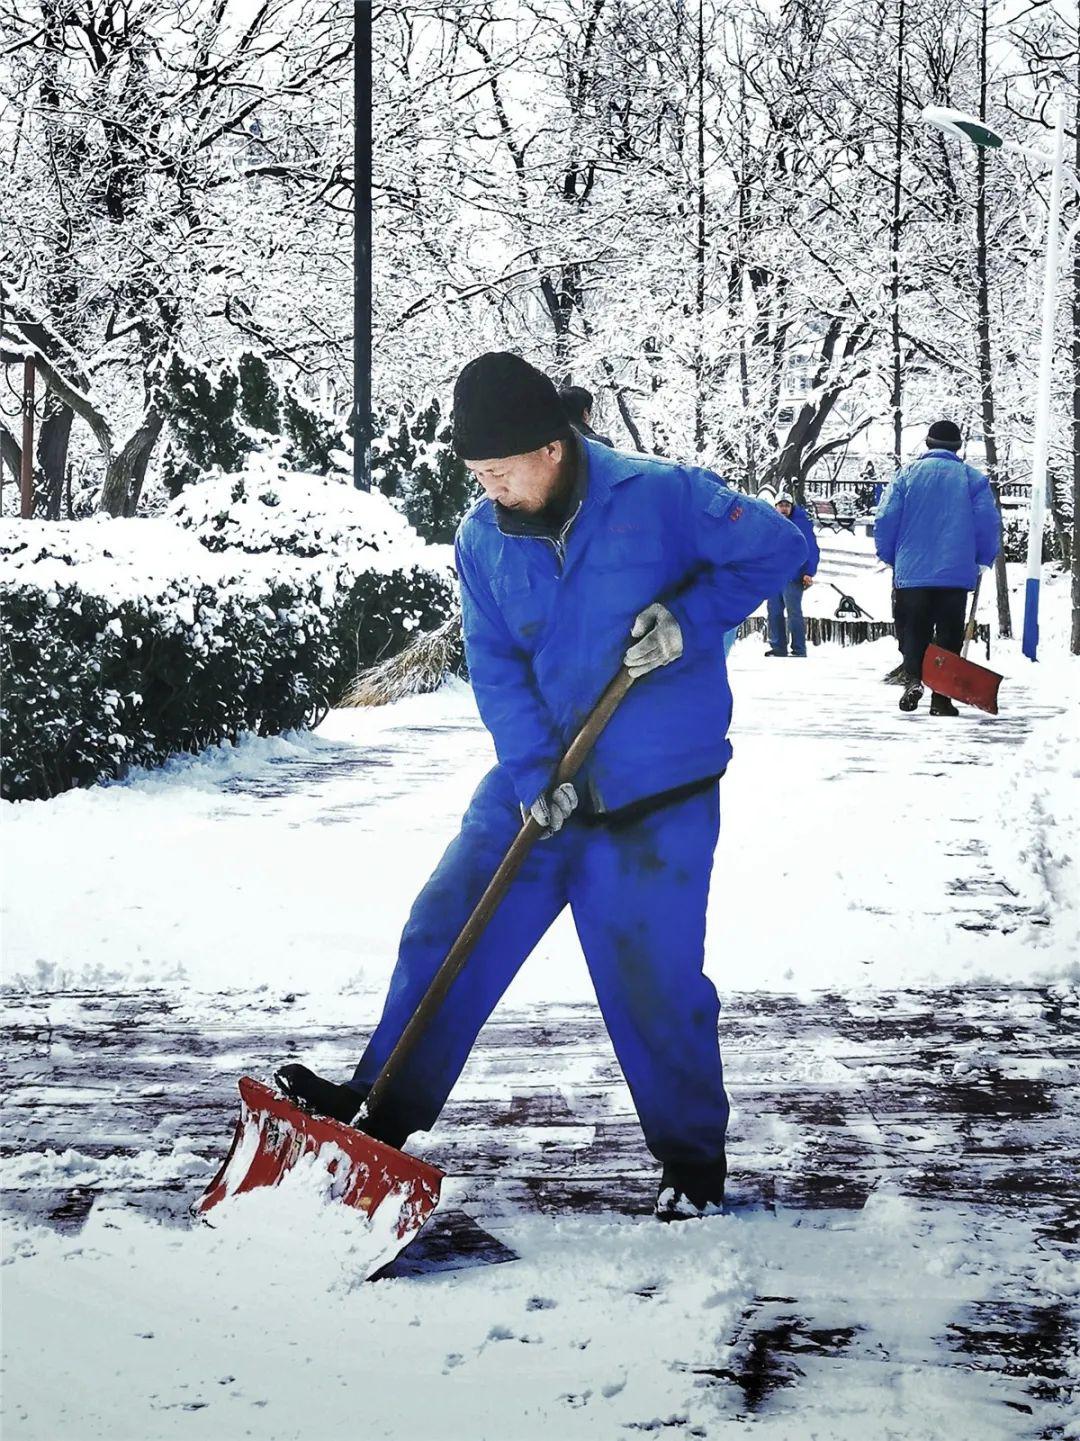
{"points": [[1041, 446], [977, 132]]}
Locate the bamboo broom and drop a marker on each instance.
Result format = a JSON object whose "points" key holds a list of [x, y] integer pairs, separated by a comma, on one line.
{"points": [[421, 667]]}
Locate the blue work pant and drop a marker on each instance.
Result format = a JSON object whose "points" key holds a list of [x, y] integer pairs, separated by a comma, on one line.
{"points": [[789, 599], [638, 893]]}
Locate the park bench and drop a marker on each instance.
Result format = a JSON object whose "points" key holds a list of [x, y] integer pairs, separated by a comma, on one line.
{"points": [[828, 517]]}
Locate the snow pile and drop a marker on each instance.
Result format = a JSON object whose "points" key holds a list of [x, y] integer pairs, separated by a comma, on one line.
{"points": [[1039, 825], [59, 1169], [304, 1203]]}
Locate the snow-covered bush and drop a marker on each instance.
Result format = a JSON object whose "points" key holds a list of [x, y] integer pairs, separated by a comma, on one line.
{"points": [[127, 640], [290, 514]]}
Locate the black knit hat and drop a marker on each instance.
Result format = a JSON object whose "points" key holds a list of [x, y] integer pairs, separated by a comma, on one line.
{"points": [[944, 435], [505, 406]]}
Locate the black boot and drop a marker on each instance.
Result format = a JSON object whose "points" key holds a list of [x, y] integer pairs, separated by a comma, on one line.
{"points": [[340, 1103], [688, 1191], [912, 694], [322, 1098], [942, 705]]}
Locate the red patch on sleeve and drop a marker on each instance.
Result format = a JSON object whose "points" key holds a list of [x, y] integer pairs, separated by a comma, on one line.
{"points": [[735, 513]]}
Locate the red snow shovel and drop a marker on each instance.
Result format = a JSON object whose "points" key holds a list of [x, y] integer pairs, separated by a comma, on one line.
{"points": [[273, 1136], [959, 678]]}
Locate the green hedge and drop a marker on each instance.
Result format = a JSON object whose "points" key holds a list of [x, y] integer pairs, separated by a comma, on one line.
{"points": [[93, 685]]}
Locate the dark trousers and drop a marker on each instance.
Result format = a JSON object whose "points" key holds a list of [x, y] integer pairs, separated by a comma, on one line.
{"points": [[928, 613]]}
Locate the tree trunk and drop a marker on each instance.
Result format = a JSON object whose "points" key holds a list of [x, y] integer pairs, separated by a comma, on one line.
{"points": [[738, 294], [117, 488], [563, 296], [896, 393], [52, 452], [10, 453], [699, 256], [1074, 637], [1059, 519], [986, 375], [138, 471]]}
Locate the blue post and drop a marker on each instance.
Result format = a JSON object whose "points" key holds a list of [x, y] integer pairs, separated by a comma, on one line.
{"points": [[1031, 618]]}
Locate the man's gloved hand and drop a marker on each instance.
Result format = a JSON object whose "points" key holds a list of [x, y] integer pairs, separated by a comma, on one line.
{"points": [[660, 643], [551, 809]]}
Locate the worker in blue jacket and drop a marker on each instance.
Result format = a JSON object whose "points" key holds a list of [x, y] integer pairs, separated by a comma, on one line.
{"points": [[577, 560], [936, 525], [789, 599]]}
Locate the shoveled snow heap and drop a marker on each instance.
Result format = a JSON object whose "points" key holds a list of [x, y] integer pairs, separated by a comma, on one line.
{"points": [[1039, 821]]}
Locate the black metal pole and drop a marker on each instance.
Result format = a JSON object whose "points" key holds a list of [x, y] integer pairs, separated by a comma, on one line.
{"points": [[362, 244]]}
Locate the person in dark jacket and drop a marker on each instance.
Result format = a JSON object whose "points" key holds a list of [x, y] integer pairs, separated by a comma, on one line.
{"points": [[936, 525], [578, 560], [578, 404], [789, 600]]}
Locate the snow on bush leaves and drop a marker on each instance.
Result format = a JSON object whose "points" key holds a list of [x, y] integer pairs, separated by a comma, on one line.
{"points": [[127, 641], [290, 514]]}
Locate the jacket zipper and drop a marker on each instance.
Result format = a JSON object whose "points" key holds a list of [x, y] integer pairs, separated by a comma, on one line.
{"points": [[559, 541]]}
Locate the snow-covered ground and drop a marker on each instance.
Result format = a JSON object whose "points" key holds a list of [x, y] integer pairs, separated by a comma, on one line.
{"points": [[843, 824], [862, 851]]}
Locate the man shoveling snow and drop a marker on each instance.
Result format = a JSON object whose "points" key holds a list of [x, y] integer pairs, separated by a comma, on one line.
{"points": [[936, 526], [573, 549]]}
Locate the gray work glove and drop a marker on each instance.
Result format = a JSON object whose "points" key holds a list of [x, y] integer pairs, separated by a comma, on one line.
{"points": [[661, 641], [551, 809]]}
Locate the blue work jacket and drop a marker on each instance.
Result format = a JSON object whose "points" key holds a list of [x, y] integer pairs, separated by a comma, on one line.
{"points": [[547, 622], [937, 523]]}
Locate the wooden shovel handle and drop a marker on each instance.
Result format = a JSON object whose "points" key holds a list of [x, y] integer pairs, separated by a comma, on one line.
{"points": [[969, 629], [497, 888]]}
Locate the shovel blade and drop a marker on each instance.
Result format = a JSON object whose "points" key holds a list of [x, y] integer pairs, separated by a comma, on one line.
{"points": [[950, 674], [272, 1136]]}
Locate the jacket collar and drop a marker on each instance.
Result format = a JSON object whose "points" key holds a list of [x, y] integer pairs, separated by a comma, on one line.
{"points": [[608, 468], [941, 455]]}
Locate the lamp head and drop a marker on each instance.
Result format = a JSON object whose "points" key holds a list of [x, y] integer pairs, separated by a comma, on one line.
{"points": [[963, 127]]}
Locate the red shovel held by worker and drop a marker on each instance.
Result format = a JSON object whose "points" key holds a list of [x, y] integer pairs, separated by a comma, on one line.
{"points": [[273, 1136], [959, 678]]}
